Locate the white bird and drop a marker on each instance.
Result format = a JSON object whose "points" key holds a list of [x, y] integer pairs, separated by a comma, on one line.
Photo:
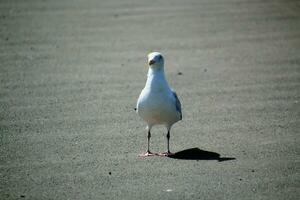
{"points": [[158, 103]]}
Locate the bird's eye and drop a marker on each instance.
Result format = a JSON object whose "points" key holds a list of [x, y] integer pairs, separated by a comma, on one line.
{"points": [[159, 57]]}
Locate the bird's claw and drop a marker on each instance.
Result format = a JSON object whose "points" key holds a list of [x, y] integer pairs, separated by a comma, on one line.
{"points": [[166, 154], [146, 154]]}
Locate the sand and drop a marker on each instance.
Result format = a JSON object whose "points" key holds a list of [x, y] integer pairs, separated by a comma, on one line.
{"points": [[71, 72]]}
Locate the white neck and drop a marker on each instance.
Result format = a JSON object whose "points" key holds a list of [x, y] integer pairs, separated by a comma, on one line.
{"points": [[156, 70], [156, 79]]}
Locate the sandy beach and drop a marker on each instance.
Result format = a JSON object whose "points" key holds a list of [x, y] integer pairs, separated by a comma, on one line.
{"points": [[71, 73]]}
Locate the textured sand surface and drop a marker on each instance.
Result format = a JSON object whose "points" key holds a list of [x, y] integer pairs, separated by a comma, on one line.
{"points": [[71, 72]]}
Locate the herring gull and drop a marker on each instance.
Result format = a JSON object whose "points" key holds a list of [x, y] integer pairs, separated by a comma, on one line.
{"points": [[158, 103]]}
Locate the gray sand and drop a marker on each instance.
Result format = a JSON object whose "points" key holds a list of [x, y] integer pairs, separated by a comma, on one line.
{"points": [[71, 72]]}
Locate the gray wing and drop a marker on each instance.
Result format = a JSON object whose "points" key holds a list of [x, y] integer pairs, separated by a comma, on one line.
{"points": [[177, 103]]}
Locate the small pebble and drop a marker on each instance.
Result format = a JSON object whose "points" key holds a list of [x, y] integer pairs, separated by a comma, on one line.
{"points": [[22, 196], [179, 73], [109, 173], [252, 170]]}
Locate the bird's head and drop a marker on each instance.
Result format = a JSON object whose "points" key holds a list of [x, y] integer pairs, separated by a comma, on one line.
{"points": [[155, 60]]}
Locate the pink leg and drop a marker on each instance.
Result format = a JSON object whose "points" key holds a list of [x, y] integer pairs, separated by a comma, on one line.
{"points": [[167, 153], [148, 152]]}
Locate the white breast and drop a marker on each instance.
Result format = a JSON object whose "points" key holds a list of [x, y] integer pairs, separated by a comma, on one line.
{"points": [[157, 107]]}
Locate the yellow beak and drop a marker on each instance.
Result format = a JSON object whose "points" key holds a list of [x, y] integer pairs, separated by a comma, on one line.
{"points": [[151, 62]]}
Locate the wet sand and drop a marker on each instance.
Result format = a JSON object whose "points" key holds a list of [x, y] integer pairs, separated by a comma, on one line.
{"points": [[71, 72]]}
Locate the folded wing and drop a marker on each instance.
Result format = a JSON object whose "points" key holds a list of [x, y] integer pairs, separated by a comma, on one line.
{"points": [[177, 104]]}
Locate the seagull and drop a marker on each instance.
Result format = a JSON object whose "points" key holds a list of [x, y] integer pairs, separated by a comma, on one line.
{"points": [[158, 103]]}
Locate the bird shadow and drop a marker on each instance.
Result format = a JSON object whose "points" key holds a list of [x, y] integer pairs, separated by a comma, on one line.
{"points": [[198, 154]]}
